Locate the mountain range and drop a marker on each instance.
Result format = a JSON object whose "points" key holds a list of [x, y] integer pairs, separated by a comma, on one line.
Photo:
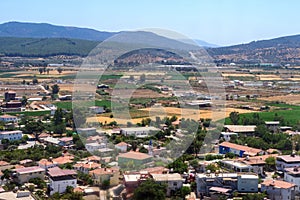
{"points": [[41, 39]]}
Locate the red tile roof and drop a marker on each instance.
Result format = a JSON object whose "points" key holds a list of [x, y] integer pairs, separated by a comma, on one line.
{"points": [[102, 171], [289, 158], [27, 170], [56, 172], [256, 160], [66, 139], [3, 163], [90, 165], [278, 184], [247, 150], [122, 144], [135, 155], [63, 159]]}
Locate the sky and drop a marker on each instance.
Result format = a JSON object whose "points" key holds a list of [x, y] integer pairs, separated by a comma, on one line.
{"points": [[222, 22]]}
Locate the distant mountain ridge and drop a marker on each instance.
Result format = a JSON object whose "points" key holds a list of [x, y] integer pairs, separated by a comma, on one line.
{"points": [[41, 39], [284, 50], [44, 30]]}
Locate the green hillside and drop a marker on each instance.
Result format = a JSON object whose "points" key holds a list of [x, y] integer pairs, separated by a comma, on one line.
{"points": [[43, 47]]}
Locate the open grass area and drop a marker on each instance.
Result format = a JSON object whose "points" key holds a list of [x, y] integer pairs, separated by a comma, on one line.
{"points": [[31, 113], [68, 104], [290, 114]]}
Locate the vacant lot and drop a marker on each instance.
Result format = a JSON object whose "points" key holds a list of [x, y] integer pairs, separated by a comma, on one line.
{"points": [[170, 111], [289, 99]]}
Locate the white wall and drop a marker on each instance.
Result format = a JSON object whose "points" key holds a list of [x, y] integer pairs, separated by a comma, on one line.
{"points": [[61, 186]]}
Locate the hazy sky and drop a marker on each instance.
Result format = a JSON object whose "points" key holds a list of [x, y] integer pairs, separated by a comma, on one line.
{"points": [[222, 22]]}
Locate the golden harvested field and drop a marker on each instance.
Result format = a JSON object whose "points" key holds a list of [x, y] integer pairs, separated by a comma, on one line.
{"points": [[238, 75], [170, 111], [289, 99], [264, 77]]}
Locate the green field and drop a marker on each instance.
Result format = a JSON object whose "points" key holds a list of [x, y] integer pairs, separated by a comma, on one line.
{"points": [[68, 104], [31, 113], [290, 114]]}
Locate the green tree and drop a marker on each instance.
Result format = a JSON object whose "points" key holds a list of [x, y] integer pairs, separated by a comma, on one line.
{"points": [[271, 163], [184, 191], [59, 125], [254, 196], [178, 166], [59, 70], [149, 190], [143, 78], [41, 70], [234, 117], [55, 89], [24, 101], [35, 80], [105, 184]]}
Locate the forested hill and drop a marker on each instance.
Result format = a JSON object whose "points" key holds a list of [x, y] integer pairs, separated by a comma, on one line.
{"points": [[43, 47], [278, 50]]}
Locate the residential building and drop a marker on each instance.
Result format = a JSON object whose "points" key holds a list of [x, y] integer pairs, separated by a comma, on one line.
{"points": [[139, 132], [254, 164], [85, 167], [11, 135], [233, 181], [273, 125], [87, 131], [60, 179], [135, 158], [173, 181], [227, 135], [47, 163], [287, 161], [9, 95], [205, 181], [9, 118], [95, 146], [12, 106], [239, 150], [241, 129], [23, 175], [101, 174], [292, 175], [96, 138], [64, 159], [122, 147], [65, 141], [247, 183], [96, 109], [132, 181], [278, 190]]}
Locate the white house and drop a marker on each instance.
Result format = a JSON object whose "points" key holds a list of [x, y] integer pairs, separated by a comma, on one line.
{"points": [[122, 146], [287, 161], [59, 179], [11, 135], [292, 175], [139, 131], [173, 181], [95, 146], [9, 118], [87, 131], [278, 190], [247, 183], [96, 109], [227, 135]]}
